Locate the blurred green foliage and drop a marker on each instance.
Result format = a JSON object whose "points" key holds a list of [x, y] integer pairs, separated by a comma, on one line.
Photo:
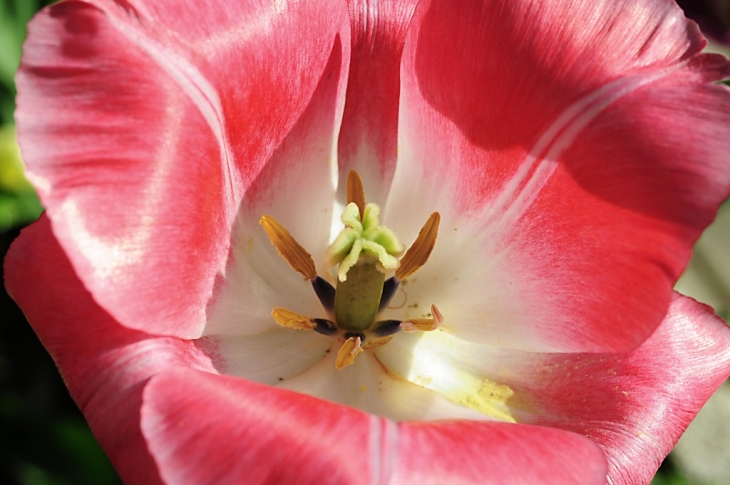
{"points": [[14, 15], [18, 201]]}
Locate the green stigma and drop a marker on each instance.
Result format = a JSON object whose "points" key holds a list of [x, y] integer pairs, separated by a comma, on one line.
{"points": [[364, 241]]}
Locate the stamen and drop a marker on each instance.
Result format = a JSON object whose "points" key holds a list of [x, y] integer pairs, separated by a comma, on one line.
{"points": [[347, 353], [424, 324], [356, 192], [297, 257], [289, 319], [420, 250]]}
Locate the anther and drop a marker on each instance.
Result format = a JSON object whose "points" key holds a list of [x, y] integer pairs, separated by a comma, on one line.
{"points": [[356, 192], [289, 319], [420, 250], [424, 324], [297, 257], [347, 353]]}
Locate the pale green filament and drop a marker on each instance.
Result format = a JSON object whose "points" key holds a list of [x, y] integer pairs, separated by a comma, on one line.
{"points": [[365, 241]]}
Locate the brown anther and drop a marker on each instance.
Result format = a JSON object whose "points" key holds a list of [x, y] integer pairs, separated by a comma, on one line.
{"points": [[297, 257], [374, 343], [356, 192], [424, 324], [420, 250], [289, 319], [347, 353]]}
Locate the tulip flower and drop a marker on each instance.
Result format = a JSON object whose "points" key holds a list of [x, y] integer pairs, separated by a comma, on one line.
{"points": [[347, 242]]}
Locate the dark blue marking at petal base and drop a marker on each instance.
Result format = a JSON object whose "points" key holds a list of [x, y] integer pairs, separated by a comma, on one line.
{"points": [[389, 288], [384, 328], [325, 292], [325, 327], [349, 335]]}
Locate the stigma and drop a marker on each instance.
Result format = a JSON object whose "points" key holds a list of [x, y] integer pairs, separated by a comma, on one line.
{"points": [[371, 265]]}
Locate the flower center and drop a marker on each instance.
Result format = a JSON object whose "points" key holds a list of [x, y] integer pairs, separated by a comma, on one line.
{"points": [[365, 252]]}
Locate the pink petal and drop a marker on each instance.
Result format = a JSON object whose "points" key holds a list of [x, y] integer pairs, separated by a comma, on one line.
{"points": [[635, 406], [575, 151], [368, 137], [297, 188], [203, 428], [494, 453], [104, 365], [143, 124], [208, 429]]}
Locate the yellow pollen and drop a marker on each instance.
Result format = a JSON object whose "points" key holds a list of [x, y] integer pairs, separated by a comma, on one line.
{"points": [[489, 398], [293, 252], [420, 250]]}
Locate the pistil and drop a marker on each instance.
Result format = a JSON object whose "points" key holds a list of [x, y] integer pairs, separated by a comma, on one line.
{"points": [[357, 299]]}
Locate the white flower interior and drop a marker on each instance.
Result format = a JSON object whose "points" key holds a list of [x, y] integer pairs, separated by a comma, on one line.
{"points": [[402, 379]]}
